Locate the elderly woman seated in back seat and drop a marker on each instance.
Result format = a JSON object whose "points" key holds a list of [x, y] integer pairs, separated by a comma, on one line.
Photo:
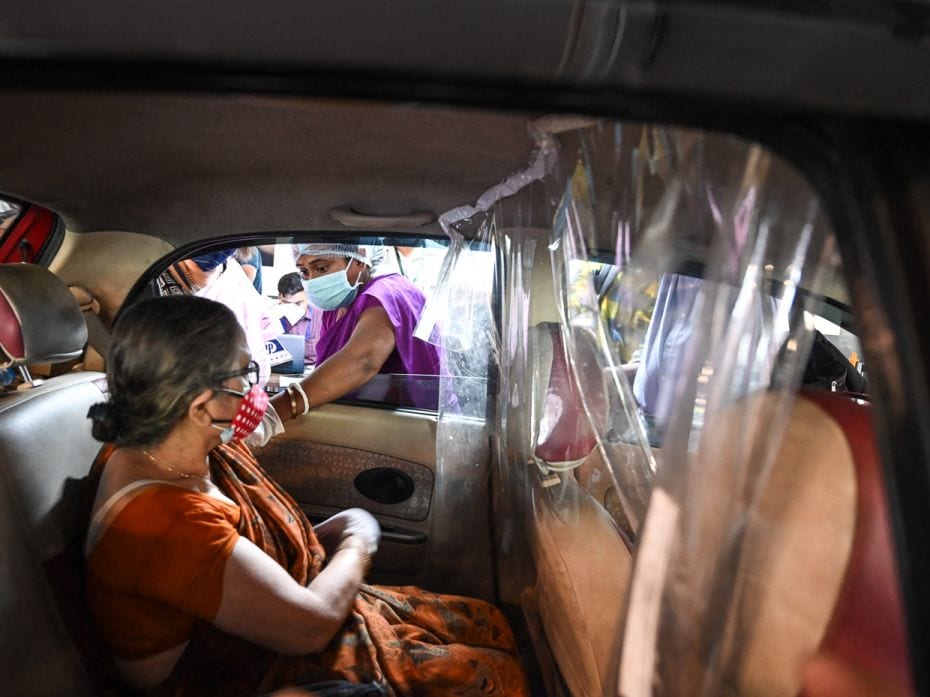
{"points": [[204, 577]]}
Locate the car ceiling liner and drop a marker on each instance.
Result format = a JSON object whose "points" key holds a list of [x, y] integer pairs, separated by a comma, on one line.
{"points": [[653, 280]]}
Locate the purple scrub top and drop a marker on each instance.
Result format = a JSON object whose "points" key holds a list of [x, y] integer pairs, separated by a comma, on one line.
{"points": [[403, 303]]}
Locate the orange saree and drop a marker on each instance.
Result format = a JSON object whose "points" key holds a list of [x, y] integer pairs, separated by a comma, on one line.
{"points": [[406, 640]]}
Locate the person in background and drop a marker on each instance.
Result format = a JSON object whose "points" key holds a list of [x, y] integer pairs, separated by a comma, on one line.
{"points": [[420, 266], [291, 292], [665, 353], [204, 577], [367, 328], [250, 259], [218, 276], [663, 376]]}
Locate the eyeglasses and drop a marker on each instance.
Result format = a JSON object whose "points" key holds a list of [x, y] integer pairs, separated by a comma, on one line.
{"points": [[250, 374]]}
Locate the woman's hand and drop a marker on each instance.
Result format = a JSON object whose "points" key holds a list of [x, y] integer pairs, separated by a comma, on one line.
{"points": [[358, 546], [352, 522]]}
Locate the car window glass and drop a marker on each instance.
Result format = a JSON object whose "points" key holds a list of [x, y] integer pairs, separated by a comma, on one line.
{"points": [[263, 286], [28, 233], [8, 212]]}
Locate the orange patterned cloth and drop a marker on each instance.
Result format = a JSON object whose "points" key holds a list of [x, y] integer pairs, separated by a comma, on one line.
{"points": [[409, 641]]}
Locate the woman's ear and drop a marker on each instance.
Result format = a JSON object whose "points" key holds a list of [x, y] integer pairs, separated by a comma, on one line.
{"points": [[197, 411]]}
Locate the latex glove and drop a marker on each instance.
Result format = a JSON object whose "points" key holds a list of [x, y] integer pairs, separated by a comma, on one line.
{"points": [[352, 521], [269, 427]]}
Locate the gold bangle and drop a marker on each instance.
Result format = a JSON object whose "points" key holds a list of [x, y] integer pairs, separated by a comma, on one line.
{"points": [[291, 394]]}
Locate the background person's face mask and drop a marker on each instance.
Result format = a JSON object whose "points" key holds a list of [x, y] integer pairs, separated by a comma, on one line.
{"points": [[208, 262], [332, 291]]}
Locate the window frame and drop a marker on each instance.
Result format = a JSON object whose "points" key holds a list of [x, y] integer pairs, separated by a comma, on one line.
{"points": [[363, 396]]}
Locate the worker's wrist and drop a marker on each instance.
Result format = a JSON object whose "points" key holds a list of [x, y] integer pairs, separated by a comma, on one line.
{"points": [[299, 399]]}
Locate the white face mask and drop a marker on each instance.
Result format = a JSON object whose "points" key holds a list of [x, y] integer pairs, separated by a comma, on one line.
{"points": [[292, 312], [332, 291]]}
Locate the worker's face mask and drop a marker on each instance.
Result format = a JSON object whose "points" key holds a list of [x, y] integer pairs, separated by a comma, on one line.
{"points": [[332, 291]]}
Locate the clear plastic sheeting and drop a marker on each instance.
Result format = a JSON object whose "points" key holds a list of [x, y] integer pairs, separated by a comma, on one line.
{"points": [[743, 258], [657, 293]]}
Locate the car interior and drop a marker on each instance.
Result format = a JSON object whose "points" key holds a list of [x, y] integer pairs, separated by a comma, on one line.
{"points": [[531, 508], [706, 533]]}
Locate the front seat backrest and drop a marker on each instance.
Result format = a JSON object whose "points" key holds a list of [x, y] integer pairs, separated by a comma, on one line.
{"points": [[582, 561], [814, 576], [867, 630]]}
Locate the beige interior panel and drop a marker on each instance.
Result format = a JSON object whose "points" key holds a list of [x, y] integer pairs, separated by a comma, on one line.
{"points": [[583, 573], [106, 264], [543, 307], [800, 539], [195, 166], [455, 556], [408, 435]]}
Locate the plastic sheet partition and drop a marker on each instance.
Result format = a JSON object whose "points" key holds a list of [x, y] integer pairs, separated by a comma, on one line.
{"points": [[656, 293]]}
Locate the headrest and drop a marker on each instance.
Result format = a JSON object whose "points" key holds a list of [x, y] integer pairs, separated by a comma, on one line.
{"points": [[40, 321], [561, 431]]}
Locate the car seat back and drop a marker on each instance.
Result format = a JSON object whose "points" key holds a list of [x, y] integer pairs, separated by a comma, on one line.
{"points": [[797, 536], [867, 627], [46, 448], [582, 561], [816, 569]]}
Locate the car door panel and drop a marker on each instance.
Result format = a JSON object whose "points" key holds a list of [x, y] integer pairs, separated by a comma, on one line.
{"points": [[432, 510]]}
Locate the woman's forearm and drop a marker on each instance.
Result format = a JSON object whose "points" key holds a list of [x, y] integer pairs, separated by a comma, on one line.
{"points": [[349, 368], [334, 589], [261, 602]]}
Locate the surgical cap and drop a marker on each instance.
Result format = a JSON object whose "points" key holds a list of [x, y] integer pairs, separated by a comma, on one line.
{"points": [[331, 249]]}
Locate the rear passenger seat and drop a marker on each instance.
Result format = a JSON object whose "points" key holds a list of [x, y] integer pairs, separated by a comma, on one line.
{"points": [[45, 450]]}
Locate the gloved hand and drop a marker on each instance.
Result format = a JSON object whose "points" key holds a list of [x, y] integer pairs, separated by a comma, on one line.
{"points": [[269, 427], [352, 521]]}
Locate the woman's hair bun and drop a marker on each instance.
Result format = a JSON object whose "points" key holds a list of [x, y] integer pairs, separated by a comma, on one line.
{"points": [[105, 427]]}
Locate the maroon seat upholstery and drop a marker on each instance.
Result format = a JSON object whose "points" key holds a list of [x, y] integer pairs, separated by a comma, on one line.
{"points": [[867, 629], [562, 431]]}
